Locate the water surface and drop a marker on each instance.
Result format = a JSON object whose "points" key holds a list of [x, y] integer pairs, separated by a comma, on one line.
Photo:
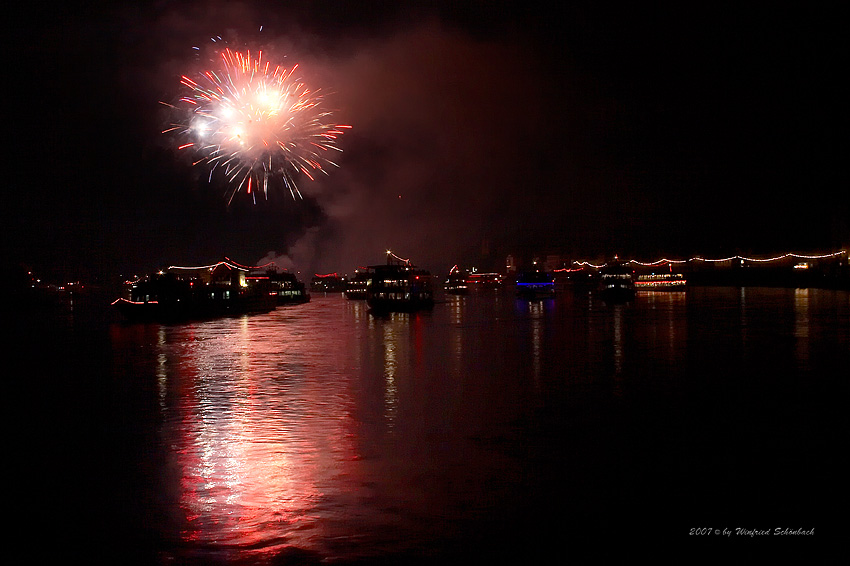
{"points": [[490, 429]]}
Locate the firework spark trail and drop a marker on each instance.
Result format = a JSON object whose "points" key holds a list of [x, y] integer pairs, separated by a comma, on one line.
{"points": [[256, 122]]}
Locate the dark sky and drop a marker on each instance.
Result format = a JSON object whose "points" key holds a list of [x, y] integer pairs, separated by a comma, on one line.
{"points": [[479, 129]]}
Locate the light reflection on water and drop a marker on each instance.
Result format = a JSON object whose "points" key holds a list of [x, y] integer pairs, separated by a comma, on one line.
{"points": [[801, 324], [323, 428], [258, 419]]}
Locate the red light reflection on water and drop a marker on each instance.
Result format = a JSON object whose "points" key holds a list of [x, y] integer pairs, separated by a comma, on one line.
{"points": [[259, 437]]}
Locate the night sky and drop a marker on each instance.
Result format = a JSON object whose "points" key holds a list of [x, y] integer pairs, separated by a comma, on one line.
{"points": [[479, 129]]}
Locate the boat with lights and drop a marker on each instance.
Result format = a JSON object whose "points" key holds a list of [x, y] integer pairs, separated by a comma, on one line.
{"points": [[356, 287], [485, 281], [398, 286], [286, 287], [616, 283], [180, 294], [327, 283], [661, 282], [457, 281], [536, 284]]}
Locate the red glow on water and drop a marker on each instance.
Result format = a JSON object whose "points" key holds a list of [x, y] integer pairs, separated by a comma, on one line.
{"points": [[253, 466]]}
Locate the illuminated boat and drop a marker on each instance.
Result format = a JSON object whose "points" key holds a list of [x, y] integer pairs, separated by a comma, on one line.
{"points": [[661, 282], [327, 283], [398, 286], [535, 285], [286, 287], [180, 294], [616, 284], [457, 282], [478, 280], [356, 287]]}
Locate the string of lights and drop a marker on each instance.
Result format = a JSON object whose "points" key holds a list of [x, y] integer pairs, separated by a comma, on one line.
{"points": [[228, 262], [264, 266], [397, 257], [665, 261]]}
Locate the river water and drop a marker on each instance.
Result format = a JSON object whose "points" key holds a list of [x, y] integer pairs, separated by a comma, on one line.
{"points": [[489, 430]]}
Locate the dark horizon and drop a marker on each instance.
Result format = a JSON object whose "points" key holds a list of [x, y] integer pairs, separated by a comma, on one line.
{"points": [[593, 131]]}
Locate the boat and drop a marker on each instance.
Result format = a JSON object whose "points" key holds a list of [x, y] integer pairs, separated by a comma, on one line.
{"points": [[616, 283], [480, 281], [356, 287], [181, 294], [286, 287], [398, 286], [580, 279], [661, 282], [457, 281], [327, 283], [536, 284]]}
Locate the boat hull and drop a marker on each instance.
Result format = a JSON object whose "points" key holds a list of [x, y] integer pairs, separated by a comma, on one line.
{"points": [[178, 311], [297, 299]]}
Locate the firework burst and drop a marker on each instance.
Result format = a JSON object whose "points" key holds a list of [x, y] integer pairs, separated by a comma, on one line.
{"points": [[257, 123]]}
